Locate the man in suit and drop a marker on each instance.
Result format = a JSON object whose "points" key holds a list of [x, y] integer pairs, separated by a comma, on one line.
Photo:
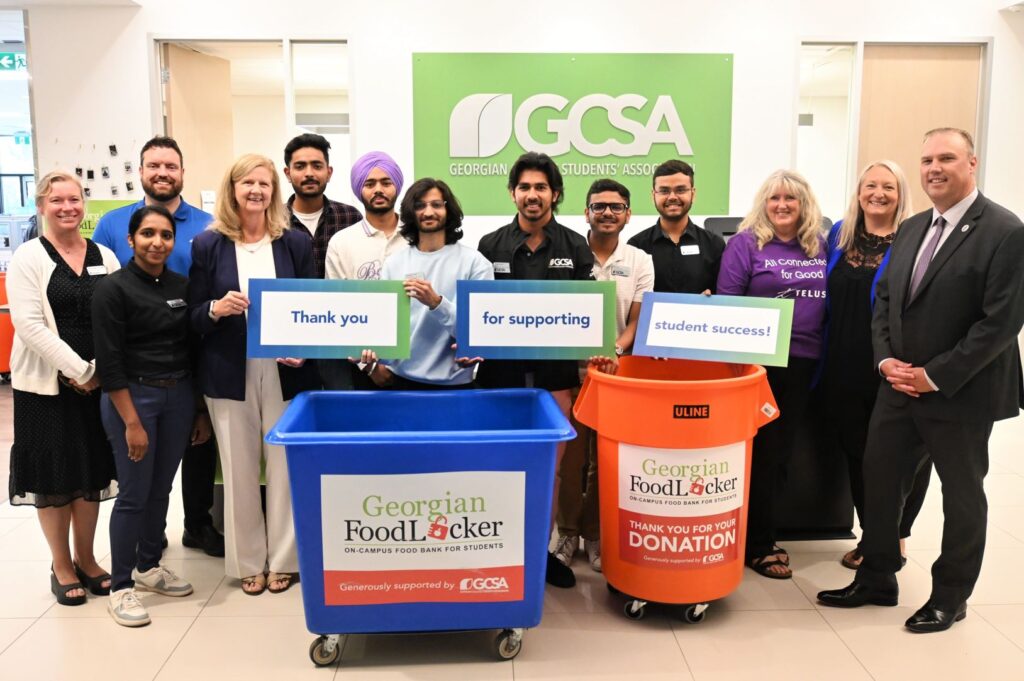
{"points": [[947, 314]]}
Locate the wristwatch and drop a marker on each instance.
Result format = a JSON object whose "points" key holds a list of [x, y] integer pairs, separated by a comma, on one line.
{"points": [[210, 313], [619, 351]]}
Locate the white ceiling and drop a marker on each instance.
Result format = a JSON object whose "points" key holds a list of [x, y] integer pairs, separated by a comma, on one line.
{"points": [[257, 68], [826, 70]]}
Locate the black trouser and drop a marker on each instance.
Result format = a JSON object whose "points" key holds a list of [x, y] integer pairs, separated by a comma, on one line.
{"points": [[341, 374], [773, 447], [900, 442], [198, 471], [849, 418]]}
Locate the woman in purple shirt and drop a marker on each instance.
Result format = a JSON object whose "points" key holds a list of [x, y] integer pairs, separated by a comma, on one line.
{"points": [[779, 252]]}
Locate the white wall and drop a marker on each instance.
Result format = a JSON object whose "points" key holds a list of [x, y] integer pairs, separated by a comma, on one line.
{"points": [[823, 150], [91, 68]]}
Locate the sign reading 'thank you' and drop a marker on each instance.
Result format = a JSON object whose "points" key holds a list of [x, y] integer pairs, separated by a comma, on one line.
{"points": [[535, 319], [715, 328], [317, 318]]}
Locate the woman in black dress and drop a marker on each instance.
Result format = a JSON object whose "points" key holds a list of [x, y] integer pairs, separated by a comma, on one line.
{"points": [[61, 461], [858, 253]]}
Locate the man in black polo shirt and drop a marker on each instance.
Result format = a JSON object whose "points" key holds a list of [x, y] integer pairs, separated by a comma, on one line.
{"points": [[307, 167], [686, 256], [535, 246]]}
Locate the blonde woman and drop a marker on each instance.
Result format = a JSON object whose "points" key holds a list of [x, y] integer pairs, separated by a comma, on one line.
{"points": [[779, 252], [858, 252], [61, 461], [249, 239]]}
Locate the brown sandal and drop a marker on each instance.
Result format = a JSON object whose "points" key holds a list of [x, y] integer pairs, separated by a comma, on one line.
{"points": [[258, 580], [286, 577]]}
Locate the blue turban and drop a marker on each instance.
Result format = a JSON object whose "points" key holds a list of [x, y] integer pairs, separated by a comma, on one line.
{"points": [[366, 163]]}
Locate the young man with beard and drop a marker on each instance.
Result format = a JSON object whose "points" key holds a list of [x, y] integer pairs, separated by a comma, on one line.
{"points": [[307, 167], [430, 267], [535, 246], [359, 253], [686, 256], [161, 174], [631, 269]]}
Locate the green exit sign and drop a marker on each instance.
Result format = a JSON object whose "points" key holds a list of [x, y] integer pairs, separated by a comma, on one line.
{"points": [[13, 61]]}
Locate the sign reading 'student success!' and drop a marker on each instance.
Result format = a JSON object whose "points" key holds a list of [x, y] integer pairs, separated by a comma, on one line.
{"points": [[428, 537], [679, 509]]}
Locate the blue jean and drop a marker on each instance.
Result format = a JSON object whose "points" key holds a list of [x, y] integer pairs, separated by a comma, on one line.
{"points": [[139, 517]]}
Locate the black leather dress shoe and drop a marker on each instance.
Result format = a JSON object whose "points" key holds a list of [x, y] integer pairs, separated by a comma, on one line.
{"points": [[930, 618], [208, 539], [858, 594]]}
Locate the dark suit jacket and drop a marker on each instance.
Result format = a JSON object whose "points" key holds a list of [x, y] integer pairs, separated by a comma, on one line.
{"points": [[222, 350], [962, 324]]}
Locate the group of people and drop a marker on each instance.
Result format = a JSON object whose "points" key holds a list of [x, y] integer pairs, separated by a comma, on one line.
{"points": [[130, 349]]}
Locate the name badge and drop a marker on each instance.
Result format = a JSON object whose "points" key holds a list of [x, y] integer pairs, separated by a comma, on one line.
{"points": [[692, 249], [620, 271], [502, 268], [96, 269], [176, 303]]}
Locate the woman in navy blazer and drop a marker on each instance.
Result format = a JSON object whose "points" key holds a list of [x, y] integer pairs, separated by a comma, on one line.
{"points": [[249, 239], [858, 252]]}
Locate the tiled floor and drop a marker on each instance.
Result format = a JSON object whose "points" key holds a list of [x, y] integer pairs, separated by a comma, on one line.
{"points": [[766, 630]]}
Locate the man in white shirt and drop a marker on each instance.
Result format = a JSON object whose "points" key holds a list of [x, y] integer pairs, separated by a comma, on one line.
{"points": [[632, 270], [359, 252]]}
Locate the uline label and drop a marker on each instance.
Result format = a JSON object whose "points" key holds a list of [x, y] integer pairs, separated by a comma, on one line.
{"points": [[691, 411]]}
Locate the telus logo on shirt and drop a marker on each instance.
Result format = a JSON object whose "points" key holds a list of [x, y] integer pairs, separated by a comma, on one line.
{"points": [[560, 263]]}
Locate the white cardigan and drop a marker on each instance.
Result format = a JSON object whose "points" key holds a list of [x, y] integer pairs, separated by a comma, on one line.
{"points": [[38, 353]]}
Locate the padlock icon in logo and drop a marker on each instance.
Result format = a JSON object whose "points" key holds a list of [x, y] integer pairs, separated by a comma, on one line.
{"points": [[697, 485], [438, 529]]}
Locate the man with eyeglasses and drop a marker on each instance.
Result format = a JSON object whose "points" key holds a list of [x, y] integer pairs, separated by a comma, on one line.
{"points": [[686, 256], [535, 246], [632, 270], [430, 269], [161, 174]]}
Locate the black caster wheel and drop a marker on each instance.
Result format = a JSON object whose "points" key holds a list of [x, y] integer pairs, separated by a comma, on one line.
{"points": [[634, 610], [324, 653], [508, 643], [694, 614]]}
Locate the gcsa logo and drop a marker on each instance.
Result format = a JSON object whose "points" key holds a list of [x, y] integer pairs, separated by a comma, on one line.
{"points": [[483, 584], [560, 263], [482, 124]]}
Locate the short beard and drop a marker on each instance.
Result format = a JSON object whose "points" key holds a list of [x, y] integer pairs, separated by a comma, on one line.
{"points": [[309, 195], [165, 198], [379, 210]]}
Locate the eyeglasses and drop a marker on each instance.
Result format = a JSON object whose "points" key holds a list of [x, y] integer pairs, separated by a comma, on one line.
{"points": [[615, 208], [421, 205], [678, 191]]}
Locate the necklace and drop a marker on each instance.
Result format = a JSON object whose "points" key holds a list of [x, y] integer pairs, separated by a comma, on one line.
{"points": [[256, 246]]}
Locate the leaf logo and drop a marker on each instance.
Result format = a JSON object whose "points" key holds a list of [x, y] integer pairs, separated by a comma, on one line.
{"points": [[480, 125]]}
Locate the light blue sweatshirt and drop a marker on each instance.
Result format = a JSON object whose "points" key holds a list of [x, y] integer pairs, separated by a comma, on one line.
{"points": [[432, 332]]}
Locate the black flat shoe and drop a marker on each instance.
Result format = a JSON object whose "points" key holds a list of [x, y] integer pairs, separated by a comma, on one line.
{"points": [[207, 539], [61, 591], [559, 575], [930, 618], [93, 584], [857, 594]]}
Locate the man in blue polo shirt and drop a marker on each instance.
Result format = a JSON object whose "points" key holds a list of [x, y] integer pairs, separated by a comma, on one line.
{"points": [[161, 173]]}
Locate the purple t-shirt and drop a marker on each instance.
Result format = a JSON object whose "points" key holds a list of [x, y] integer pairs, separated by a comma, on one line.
{"points": [[780, 270]]}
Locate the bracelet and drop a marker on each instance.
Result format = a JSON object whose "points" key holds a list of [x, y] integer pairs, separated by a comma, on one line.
{"points": [[373, 367]]}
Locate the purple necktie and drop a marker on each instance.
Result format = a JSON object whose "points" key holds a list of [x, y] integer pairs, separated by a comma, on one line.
{"points": [[927, 255]]}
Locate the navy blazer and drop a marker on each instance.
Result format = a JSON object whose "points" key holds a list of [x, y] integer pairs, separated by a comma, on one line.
{"points": [[835, 253], [222, 349]]}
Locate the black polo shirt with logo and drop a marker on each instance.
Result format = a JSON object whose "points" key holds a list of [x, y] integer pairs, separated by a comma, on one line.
{"points": [[691, 266], [563, 255]]}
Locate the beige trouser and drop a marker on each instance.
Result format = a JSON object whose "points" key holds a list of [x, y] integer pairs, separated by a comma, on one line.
{"points": [[252, 544]]}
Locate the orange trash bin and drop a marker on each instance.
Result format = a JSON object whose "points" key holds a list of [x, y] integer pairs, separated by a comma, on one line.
{"points": [[674, 439], [6, 328]]}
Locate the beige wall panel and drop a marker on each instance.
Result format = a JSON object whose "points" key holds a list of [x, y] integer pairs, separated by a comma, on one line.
{"points": [[910, 89], [199, 116]]}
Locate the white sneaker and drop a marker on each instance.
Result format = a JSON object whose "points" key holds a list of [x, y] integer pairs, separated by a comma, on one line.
{"points": [[566, 548], [594, 553], [162, 581], [126, 609]]}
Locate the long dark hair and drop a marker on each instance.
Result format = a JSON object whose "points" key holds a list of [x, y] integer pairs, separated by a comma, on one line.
{"points": [[453, 223]]}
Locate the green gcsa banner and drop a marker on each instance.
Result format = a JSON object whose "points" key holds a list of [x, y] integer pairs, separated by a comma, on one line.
{"points": [[597, 115]]}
